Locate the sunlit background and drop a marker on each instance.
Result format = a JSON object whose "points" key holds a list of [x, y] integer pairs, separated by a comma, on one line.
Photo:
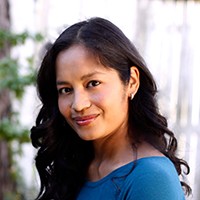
{"points": [[167, 34]]}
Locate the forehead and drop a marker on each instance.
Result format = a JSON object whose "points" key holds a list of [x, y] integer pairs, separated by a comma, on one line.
{"points": [[76, 53], [78, 60], [78, 57]]}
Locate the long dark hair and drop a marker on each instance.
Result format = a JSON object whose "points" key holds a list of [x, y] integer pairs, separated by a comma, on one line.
{"points": [[63, 158]]}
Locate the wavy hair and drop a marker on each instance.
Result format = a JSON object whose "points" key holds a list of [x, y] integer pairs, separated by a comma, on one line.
{"points": [[63, 158]]}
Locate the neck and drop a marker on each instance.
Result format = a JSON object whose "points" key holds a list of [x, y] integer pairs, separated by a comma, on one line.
{"points": [[111, 147], [110, 153]]}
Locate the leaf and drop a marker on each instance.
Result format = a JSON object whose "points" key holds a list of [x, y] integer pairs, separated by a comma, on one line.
{"points": [[11, 130], [10, 77]]}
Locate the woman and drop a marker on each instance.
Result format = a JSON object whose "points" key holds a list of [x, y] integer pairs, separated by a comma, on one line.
{"points": [[99, 131]]}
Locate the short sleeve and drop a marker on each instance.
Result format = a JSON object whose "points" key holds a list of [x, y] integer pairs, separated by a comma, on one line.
{"points": [[153, 182]]}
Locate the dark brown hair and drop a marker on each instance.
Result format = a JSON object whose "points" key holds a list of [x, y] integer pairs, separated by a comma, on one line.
{"points": [[63, 158]]}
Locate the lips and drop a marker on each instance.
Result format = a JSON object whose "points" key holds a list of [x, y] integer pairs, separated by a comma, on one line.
{"points": [[85, 120]]}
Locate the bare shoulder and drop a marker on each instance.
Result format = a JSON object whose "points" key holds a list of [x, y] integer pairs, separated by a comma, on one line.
{"points": [[146, 150]]}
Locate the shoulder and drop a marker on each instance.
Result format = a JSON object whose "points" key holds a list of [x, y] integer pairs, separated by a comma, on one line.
{"points": [[153, 178], [154, 169], [155, 164]]}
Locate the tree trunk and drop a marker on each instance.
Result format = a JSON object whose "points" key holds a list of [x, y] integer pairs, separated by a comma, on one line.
{"points": [[6, 183]]}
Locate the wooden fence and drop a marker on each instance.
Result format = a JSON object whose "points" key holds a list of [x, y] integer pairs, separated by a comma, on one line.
{"points": [[168, 34]]}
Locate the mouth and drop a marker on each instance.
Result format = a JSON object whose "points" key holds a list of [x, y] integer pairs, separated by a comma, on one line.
{"points": [[85, 120]]}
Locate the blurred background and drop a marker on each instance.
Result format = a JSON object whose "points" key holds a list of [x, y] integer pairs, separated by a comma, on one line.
{"points": [[167, 34]]}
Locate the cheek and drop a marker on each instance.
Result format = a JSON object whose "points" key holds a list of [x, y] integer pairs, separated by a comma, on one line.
{"points": [[101, 100], [63, 107]]}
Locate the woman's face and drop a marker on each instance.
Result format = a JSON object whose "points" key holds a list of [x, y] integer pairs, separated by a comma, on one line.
{"points": [[91, 97]]}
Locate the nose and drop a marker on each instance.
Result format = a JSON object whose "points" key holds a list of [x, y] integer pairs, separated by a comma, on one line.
{"points": [[81, 101]]}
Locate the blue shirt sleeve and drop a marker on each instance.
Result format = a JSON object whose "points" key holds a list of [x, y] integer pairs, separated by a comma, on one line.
{"points": [[154, 181]]}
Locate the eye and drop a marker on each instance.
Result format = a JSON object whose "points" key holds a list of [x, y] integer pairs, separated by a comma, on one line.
{"points": [[64, 90], [93, 84]]}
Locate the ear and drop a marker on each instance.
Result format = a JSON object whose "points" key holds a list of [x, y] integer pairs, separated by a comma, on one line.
{"points": [[134, 81]]}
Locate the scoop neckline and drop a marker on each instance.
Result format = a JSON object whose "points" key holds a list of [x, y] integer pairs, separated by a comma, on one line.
{"points": [[127, 165]]}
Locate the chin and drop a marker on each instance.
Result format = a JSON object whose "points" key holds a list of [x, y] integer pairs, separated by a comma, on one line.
{"points": [[86, 137]]}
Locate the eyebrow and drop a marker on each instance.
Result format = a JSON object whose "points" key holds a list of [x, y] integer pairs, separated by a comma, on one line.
{"points": [[82, 78]]}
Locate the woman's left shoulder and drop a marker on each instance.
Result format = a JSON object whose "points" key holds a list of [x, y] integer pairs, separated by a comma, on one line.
{"points": [[153, 178], [154, 166], [154, 161]]}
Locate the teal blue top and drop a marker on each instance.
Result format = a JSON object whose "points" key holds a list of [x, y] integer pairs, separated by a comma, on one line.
{"points": [[150, 178]]}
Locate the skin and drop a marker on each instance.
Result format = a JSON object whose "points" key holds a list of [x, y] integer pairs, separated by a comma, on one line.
{"points": [[94, 102]]}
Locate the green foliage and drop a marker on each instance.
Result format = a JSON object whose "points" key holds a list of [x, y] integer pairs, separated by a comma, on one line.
{"points": [[13, 80], [19, 193], [10, 77], [11, 130], [13, 39], [10, 70], [11, 196]]}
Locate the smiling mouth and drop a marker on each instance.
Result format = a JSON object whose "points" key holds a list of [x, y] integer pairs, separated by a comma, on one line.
{"points": [[85, 120]]}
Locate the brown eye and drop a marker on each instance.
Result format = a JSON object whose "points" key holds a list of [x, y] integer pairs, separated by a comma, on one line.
{"points": [[64, 90], [93, 83]]}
